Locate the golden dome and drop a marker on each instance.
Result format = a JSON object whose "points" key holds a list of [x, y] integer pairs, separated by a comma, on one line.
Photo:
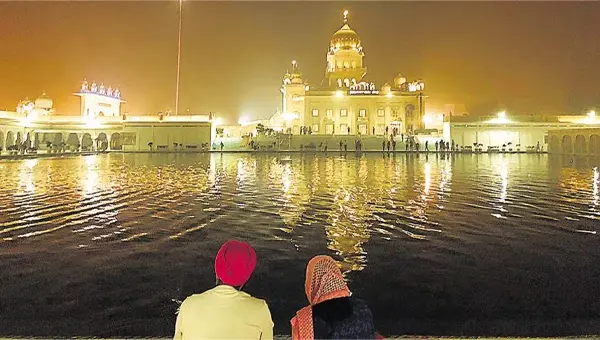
{"points": [[345, 38]]}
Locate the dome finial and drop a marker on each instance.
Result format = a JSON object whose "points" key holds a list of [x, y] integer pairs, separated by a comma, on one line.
{"points": [[345, 16], [294, 65]]}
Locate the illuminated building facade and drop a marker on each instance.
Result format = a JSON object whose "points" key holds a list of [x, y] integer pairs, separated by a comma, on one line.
{"points": [[346, 102], [100, 126], [568, 134], [99, 101]]}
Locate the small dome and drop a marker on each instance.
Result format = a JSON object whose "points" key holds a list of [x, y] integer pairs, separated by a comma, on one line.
{"points": [[399, 80], [345, 38], [386, 88], [44, 102], [296, 76]]}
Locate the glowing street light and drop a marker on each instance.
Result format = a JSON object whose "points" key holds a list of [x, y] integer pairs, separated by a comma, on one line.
{"points": [[289, 116], [243, 121], [339, 94]]}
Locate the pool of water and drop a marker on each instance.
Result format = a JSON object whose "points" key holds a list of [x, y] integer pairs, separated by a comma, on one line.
{"points": [[470, 244]]}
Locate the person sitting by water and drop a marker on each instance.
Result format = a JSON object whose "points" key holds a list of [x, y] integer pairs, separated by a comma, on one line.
{"points": [[225, 311], [333, 313]]}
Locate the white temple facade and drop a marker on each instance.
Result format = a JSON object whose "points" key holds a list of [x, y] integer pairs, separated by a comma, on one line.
{"points": [[99, 101], [346, 102], [100, 126]]}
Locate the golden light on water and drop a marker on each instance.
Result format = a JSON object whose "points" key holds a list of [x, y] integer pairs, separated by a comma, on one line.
{"points": [[427, 172], [596, 179], [91, 181], [26, 176], [130, 198], [504, 176]]}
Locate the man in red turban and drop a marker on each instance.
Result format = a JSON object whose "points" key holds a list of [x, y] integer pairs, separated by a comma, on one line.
{"points": [[225, 311]]}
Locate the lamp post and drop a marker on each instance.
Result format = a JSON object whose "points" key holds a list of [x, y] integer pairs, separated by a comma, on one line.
{"points": [[178, 58]]}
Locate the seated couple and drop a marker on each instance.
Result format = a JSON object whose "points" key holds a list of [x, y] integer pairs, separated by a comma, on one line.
{"points": [[226, 312]]}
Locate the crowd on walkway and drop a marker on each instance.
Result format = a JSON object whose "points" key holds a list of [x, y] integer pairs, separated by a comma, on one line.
{"points": [[227, 312]]}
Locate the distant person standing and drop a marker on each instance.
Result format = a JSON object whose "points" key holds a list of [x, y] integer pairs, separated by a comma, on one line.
{"points": [[394, 145], [341, 145], [436, 146], [426, 146], [348, 130], [222, 145], [383, 145], [345, 146], [388, 145], [373, 131]]}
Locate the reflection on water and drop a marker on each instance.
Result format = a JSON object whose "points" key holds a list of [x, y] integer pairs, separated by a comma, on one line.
{"points": [[595, 180], [427, 225]]}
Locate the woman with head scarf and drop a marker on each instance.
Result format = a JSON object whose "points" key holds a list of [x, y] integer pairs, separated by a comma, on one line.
{"points": [[333, 313], [226, 312]]}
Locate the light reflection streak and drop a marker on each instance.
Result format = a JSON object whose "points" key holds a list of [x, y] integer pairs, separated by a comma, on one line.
{"points": [[427, 171], [504, 176], [285, 178], [91, 181], [595, 186], [26, 180]]}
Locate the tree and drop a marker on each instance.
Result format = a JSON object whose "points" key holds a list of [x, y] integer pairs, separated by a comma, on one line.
{"points": [[260, 129]]}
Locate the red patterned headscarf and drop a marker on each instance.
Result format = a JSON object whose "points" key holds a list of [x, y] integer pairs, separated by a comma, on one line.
{"points": [[324, 281]]}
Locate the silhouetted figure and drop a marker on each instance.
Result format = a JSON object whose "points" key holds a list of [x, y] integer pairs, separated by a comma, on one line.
{"points": [[383, 145], [389, 144], [427, 146]]}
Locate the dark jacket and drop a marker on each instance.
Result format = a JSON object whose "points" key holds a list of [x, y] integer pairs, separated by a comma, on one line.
{"points": [[343, 318]]}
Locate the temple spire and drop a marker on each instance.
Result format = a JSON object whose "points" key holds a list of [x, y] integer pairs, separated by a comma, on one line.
{"points": [[345, 16]]}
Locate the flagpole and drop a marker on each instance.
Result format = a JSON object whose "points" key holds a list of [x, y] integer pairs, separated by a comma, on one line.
{"points": [[178, 58]]}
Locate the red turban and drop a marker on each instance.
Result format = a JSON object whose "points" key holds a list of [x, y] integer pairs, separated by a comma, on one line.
{"points": [[235, 263]]}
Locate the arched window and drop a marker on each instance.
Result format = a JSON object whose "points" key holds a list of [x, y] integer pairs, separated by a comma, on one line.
{"points": [[339, 82], [347, 82], [339, 64], [346, 64], [353, 64]]}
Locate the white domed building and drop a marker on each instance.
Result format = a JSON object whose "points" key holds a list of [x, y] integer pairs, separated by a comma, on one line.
{"points": [[347, 103]]}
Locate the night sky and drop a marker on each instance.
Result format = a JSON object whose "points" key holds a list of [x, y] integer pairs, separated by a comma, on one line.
{"points": [[527, 57]]}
